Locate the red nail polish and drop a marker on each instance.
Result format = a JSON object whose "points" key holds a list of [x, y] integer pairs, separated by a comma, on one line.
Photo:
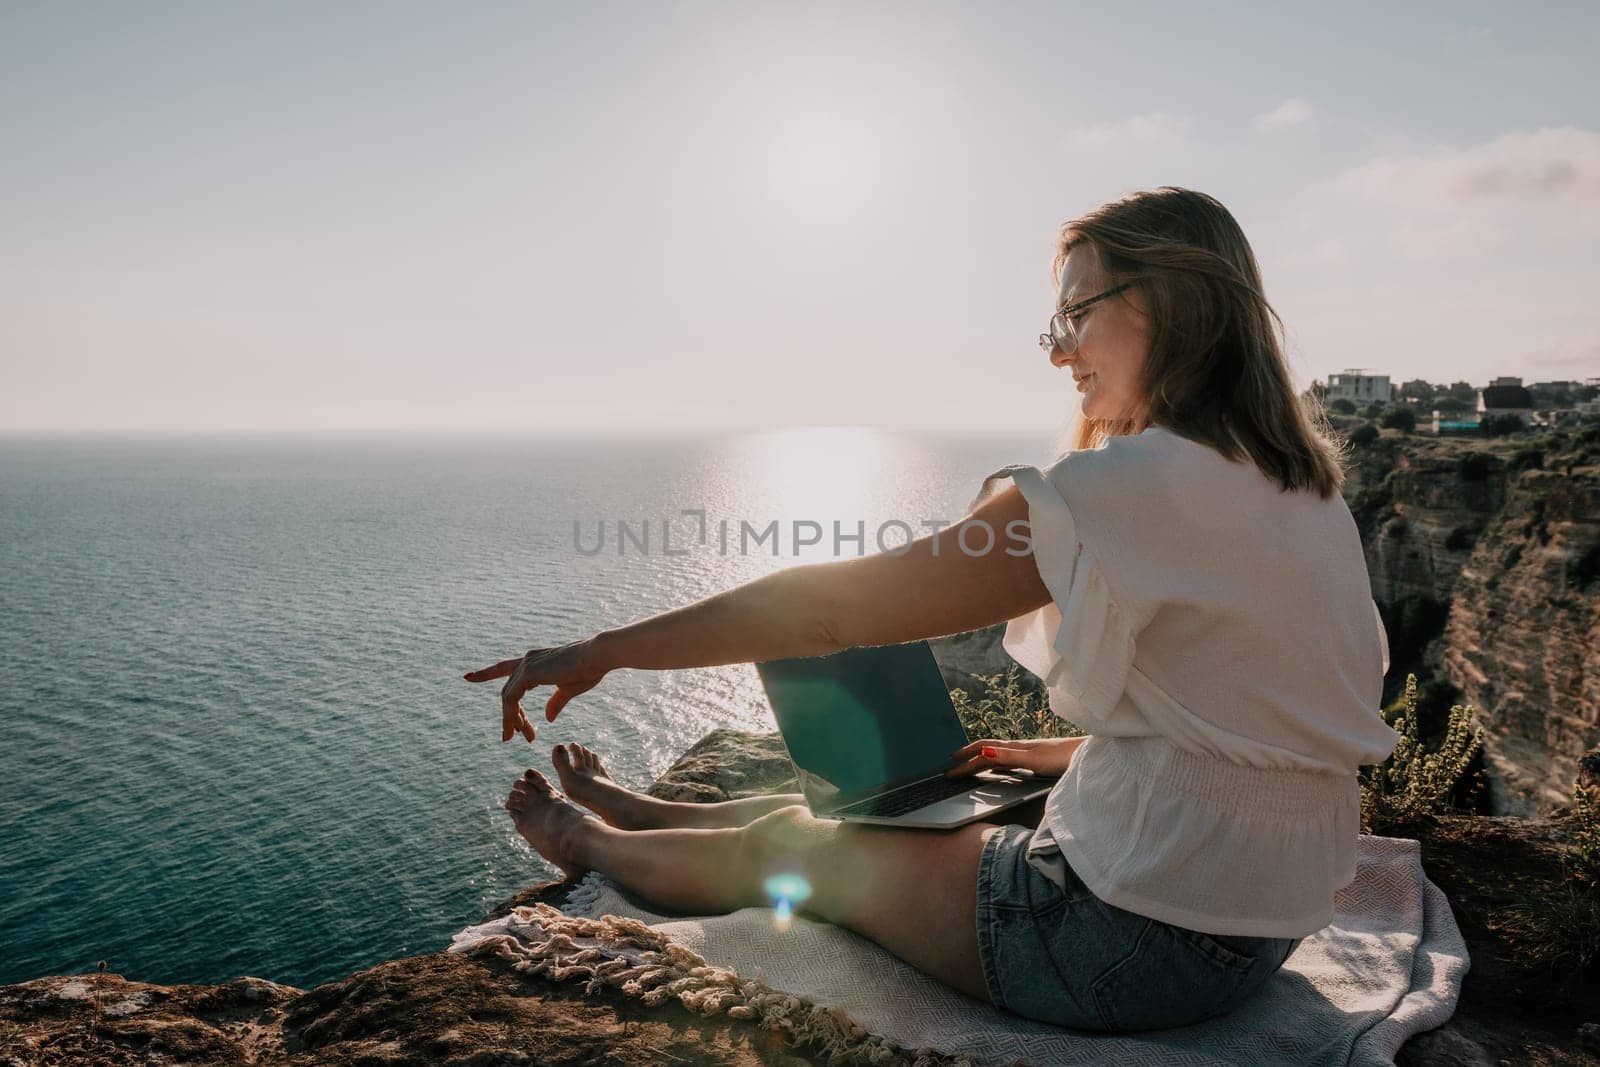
{"points": [[990, 751]]}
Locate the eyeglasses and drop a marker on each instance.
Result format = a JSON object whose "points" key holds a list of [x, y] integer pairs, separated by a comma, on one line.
{"points": [[1063, 333]]}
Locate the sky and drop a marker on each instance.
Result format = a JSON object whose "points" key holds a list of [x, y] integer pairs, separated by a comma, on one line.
{"points": [[603, 216]]}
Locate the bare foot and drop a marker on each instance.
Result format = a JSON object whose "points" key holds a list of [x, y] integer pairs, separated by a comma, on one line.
{"points": [[548, 822], [584, 778]]}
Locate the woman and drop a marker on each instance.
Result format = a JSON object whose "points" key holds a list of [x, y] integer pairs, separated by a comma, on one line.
{"points": [[1196, 599]]}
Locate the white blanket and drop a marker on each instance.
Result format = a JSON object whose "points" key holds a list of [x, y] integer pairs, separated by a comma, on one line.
{"points": [[1389, 966]]}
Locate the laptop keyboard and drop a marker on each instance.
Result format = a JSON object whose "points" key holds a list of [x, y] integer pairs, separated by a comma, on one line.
{"points": [[910, 798]]}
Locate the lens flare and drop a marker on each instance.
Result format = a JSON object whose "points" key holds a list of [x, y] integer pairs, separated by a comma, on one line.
{"points": [[786, 890]]}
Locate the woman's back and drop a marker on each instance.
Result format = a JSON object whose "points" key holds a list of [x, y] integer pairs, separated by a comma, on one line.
{"points": [[1257, 639], [1218, 639]]}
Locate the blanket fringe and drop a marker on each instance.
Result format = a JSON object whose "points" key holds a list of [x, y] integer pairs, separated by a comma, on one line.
{"points": [[626, 955], [582, 896]]}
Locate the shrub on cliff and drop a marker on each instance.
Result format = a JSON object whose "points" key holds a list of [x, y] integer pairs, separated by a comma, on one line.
{"points": [[1583, 858], [1562, 930], [1005, 709], [1500, 425], [1416, 781], [1399, 418], [1364, 434]]}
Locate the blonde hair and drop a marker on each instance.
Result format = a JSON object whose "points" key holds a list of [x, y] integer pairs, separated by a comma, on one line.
{"points": [[1216, 372]]}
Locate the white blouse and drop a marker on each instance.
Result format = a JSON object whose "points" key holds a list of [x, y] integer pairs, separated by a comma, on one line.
{"points": [[1217, 639]]}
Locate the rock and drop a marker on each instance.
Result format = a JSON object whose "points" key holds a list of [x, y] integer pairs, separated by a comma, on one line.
{"points": [[1514, 1005], [964, 657], [726, 764], [424, 1010], [1446, 1046], [1523, 640], [1486, 573], [105, 1018], [453, 1010]]}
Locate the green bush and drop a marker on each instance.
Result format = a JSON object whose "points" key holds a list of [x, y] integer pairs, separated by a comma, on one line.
{"points": [[1561, 931], [1364, 434], [1415, 782], [1399, 418], [1342, 406], [1500, 425], [1006, 709], [1583, 858]]}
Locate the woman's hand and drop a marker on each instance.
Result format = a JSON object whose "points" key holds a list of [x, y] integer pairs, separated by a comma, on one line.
{"points": [[1041, 755], [571, 668]]}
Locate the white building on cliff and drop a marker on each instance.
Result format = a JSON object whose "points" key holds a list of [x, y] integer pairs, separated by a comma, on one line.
{"points": [[1359, 388]]}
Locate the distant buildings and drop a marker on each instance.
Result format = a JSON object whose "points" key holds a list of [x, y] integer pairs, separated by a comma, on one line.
{"points": [[1359, 388], [1463, 409], [1505, 396]]}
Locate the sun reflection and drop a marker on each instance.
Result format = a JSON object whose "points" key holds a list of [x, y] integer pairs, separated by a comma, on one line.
{"points": [[823, 474]]}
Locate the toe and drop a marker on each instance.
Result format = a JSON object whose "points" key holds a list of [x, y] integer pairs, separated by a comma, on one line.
{"points": [[560, 757]]}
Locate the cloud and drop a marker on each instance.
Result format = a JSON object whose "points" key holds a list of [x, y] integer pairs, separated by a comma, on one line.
{"points": [[1535, 166], [1537, 187], [1292, 112], [1156, 129], [1465, 260]]}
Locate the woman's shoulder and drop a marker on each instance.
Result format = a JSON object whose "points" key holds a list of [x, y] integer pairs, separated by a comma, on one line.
{"points": [[1129, 470]]}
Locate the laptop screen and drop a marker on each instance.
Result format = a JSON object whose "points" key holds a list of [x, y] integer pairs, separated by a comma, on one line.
{"points": [[863, 720]]}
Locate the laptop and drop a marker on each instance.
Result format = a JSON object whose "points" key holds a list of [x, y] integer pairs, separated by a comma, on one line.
{"points": [[870, 732]]}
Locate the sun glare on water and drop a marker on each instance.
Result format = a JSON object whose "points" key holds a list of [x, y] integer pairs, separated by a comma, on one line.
{"points": [[825, 474]]}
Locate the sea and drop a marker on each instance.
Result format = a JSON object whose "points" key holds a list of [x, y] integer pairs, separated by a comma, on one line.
{"points": [[234, 734]]}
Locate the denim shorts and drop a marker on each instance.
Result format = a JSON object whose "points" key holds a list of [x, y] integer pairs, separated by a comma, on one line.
{"points": [[1068, 958]]}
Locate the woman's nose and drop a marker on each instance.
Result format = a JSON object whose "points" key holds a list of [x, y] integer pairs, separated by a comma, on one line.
{"points": [[1060, 358]]}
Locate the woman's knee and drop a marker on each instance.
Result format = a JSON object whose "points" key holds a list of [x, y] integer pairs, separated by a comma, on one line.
{"points": [[787, 833]]}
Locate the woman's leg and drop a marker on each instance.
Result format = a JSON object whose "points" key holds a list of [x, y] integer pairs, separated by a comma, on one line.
{"points": [[914, 892], [584, 779]]}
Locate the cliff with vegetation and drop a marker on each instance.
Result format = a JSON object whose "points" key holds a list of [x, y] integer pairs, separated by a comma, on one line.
{"points": [[1485, 562]]}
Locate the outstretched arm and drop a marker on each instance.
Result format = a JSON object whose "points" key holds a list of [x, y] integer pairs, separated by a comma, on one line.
{"points": [[935, 586], [930, 589]]}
